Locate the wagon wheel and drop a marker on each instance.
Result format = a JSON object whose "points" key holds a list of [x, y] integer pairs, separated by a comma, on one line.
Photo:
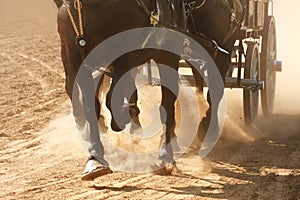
{"points": [[251, 94], [268, 56]]}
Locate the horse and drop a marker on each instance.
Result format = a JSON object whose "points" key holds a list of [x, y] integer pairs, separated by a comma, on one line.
{"points": [[220, 21], [98, 21]]}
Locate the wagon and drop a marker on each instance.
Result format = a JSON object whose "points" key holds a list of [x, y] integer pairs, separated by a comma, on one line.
{"points": [[254, 60]]}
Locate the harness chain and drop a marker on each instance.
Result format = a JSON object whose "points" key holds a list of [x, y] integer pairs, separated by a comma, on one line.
{"points": [[79, 33]]}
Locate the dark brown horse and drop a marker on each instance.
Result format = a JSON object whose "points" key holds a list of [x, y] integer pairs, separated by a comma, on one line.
{"points": [[220, 21], [102, 19]]}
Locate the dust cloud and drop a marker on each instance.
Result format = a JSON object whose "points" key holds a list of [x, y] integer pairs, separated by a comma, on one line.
{"points": [[285, 121], [288, 86], [41, 13], [288, 31]]}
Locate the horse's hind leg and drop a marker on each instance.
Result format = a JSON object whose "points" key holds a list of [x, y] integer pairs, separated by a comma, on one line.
{"points": [[222, 61], [123, 86]]}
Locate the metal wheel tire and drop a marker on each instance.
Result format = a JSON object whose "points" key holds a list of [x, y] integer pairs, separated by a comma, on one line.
{"points": [[268, 56], [251, 71]]}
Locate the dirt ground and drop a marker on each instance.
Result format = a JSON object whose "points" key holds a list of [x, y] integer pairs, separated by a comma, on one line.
{"points": [[42, 158]]}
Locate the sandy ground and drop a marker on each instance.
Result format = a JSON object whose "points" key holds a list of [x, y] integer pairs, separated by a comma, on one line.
{"points": [[41, 157]]}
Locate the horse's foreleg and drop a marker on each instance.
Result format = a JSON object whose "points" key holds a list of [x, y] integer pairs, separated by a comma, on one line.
{"points": [[97, 101], [169, 81], [96, 165], [88, 101], [131, 95], [167, 113], [115, 102]]}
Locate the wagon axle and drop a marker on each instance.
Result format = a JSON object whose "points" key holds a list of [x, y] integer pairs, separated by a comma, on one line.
{"points": [[275, 65]]}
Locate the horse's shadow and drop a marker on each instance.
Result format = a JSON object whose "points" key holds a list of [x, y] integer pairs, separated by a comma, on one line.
{"points": [[262, 166], [191, 190], [125, 188]]}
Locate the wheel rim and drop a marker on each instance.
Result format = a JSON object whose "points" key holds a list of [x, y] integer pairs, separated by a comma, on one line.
{"points": [[251, 96], [269, 52], [254, 92]]}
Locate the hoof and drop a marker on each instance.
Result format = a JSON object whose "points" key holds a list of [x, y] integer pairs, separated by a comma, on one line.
{"points": [[115, 127], [123, 119], [94, 169], [163, 169]]}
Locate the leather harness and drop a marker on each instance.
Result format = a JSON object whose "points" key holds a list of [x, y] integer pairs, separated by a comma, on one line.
{"points": [[232, 5]]}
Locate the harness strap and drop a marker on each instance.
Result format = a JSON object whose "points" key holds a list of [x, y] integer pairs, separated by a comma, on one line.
{"points": [[197, 5], [78, 31], [154, 19], [191, 5], [234, 23], [78, 7]]}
